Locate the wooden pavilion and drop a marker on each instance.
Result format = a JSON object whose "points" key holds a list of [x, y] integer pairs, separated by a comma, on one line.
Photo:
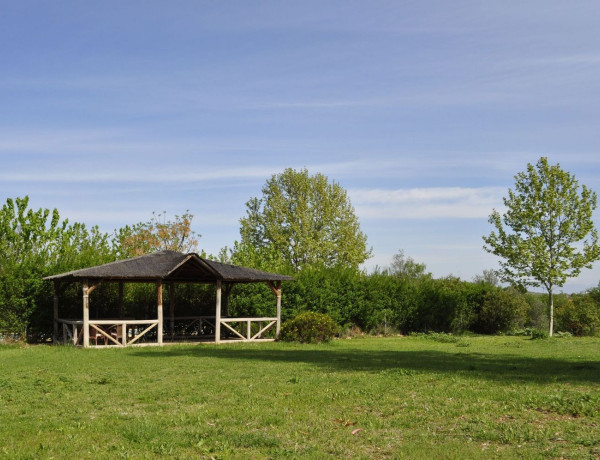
{"points": [[160, 268]]}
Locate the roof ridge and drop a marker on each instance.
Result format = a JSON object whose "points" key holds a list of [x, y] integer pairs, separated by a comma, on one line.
{"points": [[167, 264]]}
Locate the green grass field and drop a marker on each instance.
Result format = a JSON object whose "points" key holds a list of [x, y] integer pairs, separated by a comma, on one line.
{"points": [[414, 397]]}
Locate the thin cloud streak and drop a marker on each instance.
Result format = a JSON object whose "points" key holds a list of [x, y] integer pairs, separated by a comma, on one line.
{"points": [[427, 203], [136, 177]]}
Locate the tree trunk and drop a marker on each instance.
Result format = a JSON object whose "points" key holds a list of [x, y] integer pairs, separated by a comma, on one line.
{"points": [[551, 297]]}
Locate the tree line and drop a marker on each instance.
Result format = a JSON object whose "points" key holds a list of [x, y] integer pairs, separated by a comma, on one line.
{"points": [[304, 225]]}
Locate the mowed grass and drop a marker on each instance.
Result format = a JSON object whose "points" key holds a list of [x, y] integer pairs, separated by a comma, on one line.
{"points": [[404, 397]]}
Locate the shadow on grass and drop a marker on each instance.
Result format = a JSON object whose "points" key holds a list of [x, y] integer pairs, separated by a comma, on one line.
{"points": [[502, 368]]}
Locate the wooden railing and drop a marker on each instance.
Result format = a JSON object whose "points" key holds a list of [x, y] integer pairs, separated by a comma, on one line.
{"points": [[247, 333], [189, 327], [111, 331], [125, 332]]}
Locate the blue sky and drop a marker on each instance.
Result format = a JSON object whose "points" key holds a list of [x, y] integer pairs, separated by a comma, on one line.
{"points": [[423, 110]]}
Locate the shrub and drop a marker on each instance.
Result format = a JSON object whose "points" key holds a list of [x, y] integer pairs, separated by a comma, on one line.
{"points": [[539, 334], [538, 309], [563, 334], [309, 327], [580, 316], [502, 310]]}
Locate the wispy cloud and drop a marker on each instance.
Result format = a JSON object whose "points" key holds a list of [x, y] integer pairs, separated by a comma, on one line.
{"points": [[426, 203], [143, 176], [331, 104]]}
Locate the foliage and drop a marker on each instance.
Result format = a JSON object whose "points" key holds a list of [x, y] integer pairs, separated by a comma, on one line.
{"points": [[308, 220], [580, 316], [309, 327], [537, 316], [379, 302], [37, 243], [406, 267], [262, 258], [34, 244], [564, 334], [502, 310], [594, 294], [541, 238], [539, 334], [157, 234], [487, 276]]}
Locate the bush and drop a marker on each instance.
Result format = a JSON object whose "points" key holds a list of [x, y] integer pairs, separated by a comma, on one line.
{"points": [[309, 327], [502, 310], [563, 334], [537, 316], [539, 334], [580, 316]]}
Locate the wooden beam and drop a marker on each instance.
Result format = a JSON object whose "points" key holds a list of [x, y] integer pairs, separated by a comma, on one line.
{"points": [[278, 328], [218, 314], [172, 308], [137, 337], [55, 301], [234, 331], [93, 286], [159, 333], [86, 315], [104, 333], [77, 336], [276, 288], [262, 331]]}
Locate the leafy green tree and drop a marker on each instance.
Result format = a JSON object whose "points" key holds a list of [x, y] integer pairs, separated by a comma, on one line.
{"points": [[33, 244], [487, 277], [406, 267], [262, 258], [542, 235], [307, 219], [157, 234]]}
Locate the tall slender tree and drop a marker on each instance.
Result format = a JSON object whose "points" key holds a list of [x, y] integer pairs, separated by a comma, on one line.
{"points": [[547, 233]]}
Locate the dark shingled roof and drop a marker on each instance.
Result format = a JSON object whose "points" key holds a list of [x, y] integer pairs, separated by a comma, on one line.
{"points": [[170, 266]]}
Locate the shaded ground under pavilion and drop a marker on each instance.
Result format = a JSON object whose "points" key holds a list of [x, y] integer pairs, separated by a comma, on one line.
{"points": [[164, 268]]}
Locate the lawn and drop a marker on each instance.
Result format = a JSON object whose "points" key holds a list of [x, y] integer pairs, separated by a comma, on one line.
{"points": [[402, 397]]}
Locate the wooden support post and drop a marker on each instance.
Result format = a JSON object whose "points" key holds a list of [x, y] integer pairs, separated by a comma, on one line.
{"points": [[120, 299], [172, 308], [278, 327], [218, 314], [159, 307], [276, 288], [55, 329], [249, 329], [86, 315]]}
